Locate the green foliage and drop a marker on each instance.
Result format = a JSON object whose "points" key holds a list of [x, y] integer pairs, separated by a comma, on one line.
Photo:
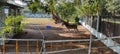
{"points": [[91, 7], [66, 10], [17, 23], [12, 21], [12, 24], [6, 29], [34, 6], [113, 6], [9, 21], [47, 7]]}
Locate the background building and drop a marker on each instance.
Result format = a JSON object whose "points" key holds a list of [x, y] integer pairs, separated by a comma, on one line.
{"points": [[9, 8]]}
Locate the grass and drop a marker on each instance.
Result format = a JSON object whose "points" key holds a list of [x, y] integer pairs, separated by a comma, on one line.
{"points": [[38, 20]]}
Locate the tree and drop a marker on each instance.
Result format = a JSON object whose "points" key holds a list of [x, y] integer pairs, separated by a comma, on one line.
{"points": [[62, 9], [113, 6], [47, 6], [91, 7], [66, 10]]}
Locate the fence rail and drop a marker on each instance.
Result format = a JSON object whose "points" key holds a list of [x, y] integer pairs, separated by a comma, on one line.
{"points": [[53, 44], [8, 39], [113, 37], [47, 41], [37, 46], [77, 49]]}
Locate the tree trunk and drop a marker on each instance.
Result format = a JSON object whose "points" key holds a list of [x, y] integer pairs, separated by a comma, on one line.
{"points": [[56, 17]]}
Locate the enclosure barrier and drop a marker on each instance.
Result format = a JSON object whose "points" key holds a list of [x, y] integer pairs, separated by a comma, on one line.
{"points": [[37, 46], [54, 45], [108, 42]]}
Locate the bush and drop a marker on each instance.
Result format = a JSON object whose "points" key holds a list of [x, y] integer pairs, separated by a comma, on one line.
{"points": [[12, 25]]}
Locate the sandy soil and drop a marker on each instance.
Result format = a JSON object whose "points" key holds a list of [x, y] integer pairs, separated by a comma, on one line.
{"points": [[57, 32]]}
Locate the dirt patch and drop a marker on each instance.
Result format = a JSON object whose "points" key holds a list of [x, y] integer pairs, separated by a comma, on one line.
{"points": [[58, 32]]}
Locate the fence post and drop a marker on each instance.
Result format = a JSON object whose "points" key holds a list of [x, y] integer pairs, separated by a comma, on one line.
{"points": [[56, 46], [28, 48], [98, 22], [71, 45], [114, 43], [43, 46], [3, 46], [17, 48], [90, 42], [51, 46], [37, 47], [63, 45]]}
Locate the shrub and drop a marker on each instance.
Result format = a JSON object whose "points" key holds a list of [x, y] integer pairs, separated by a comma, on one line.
{"points": [[12, 25]]}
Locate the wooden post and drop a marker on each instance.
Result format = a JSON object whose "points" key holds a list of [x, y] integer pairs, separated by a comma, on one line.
{"points": [[51, 46], [71, 44], [56, 46], [3, 47], [63, 45], [37, 47], [17, 47], [79, 42], [28, 48]]}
